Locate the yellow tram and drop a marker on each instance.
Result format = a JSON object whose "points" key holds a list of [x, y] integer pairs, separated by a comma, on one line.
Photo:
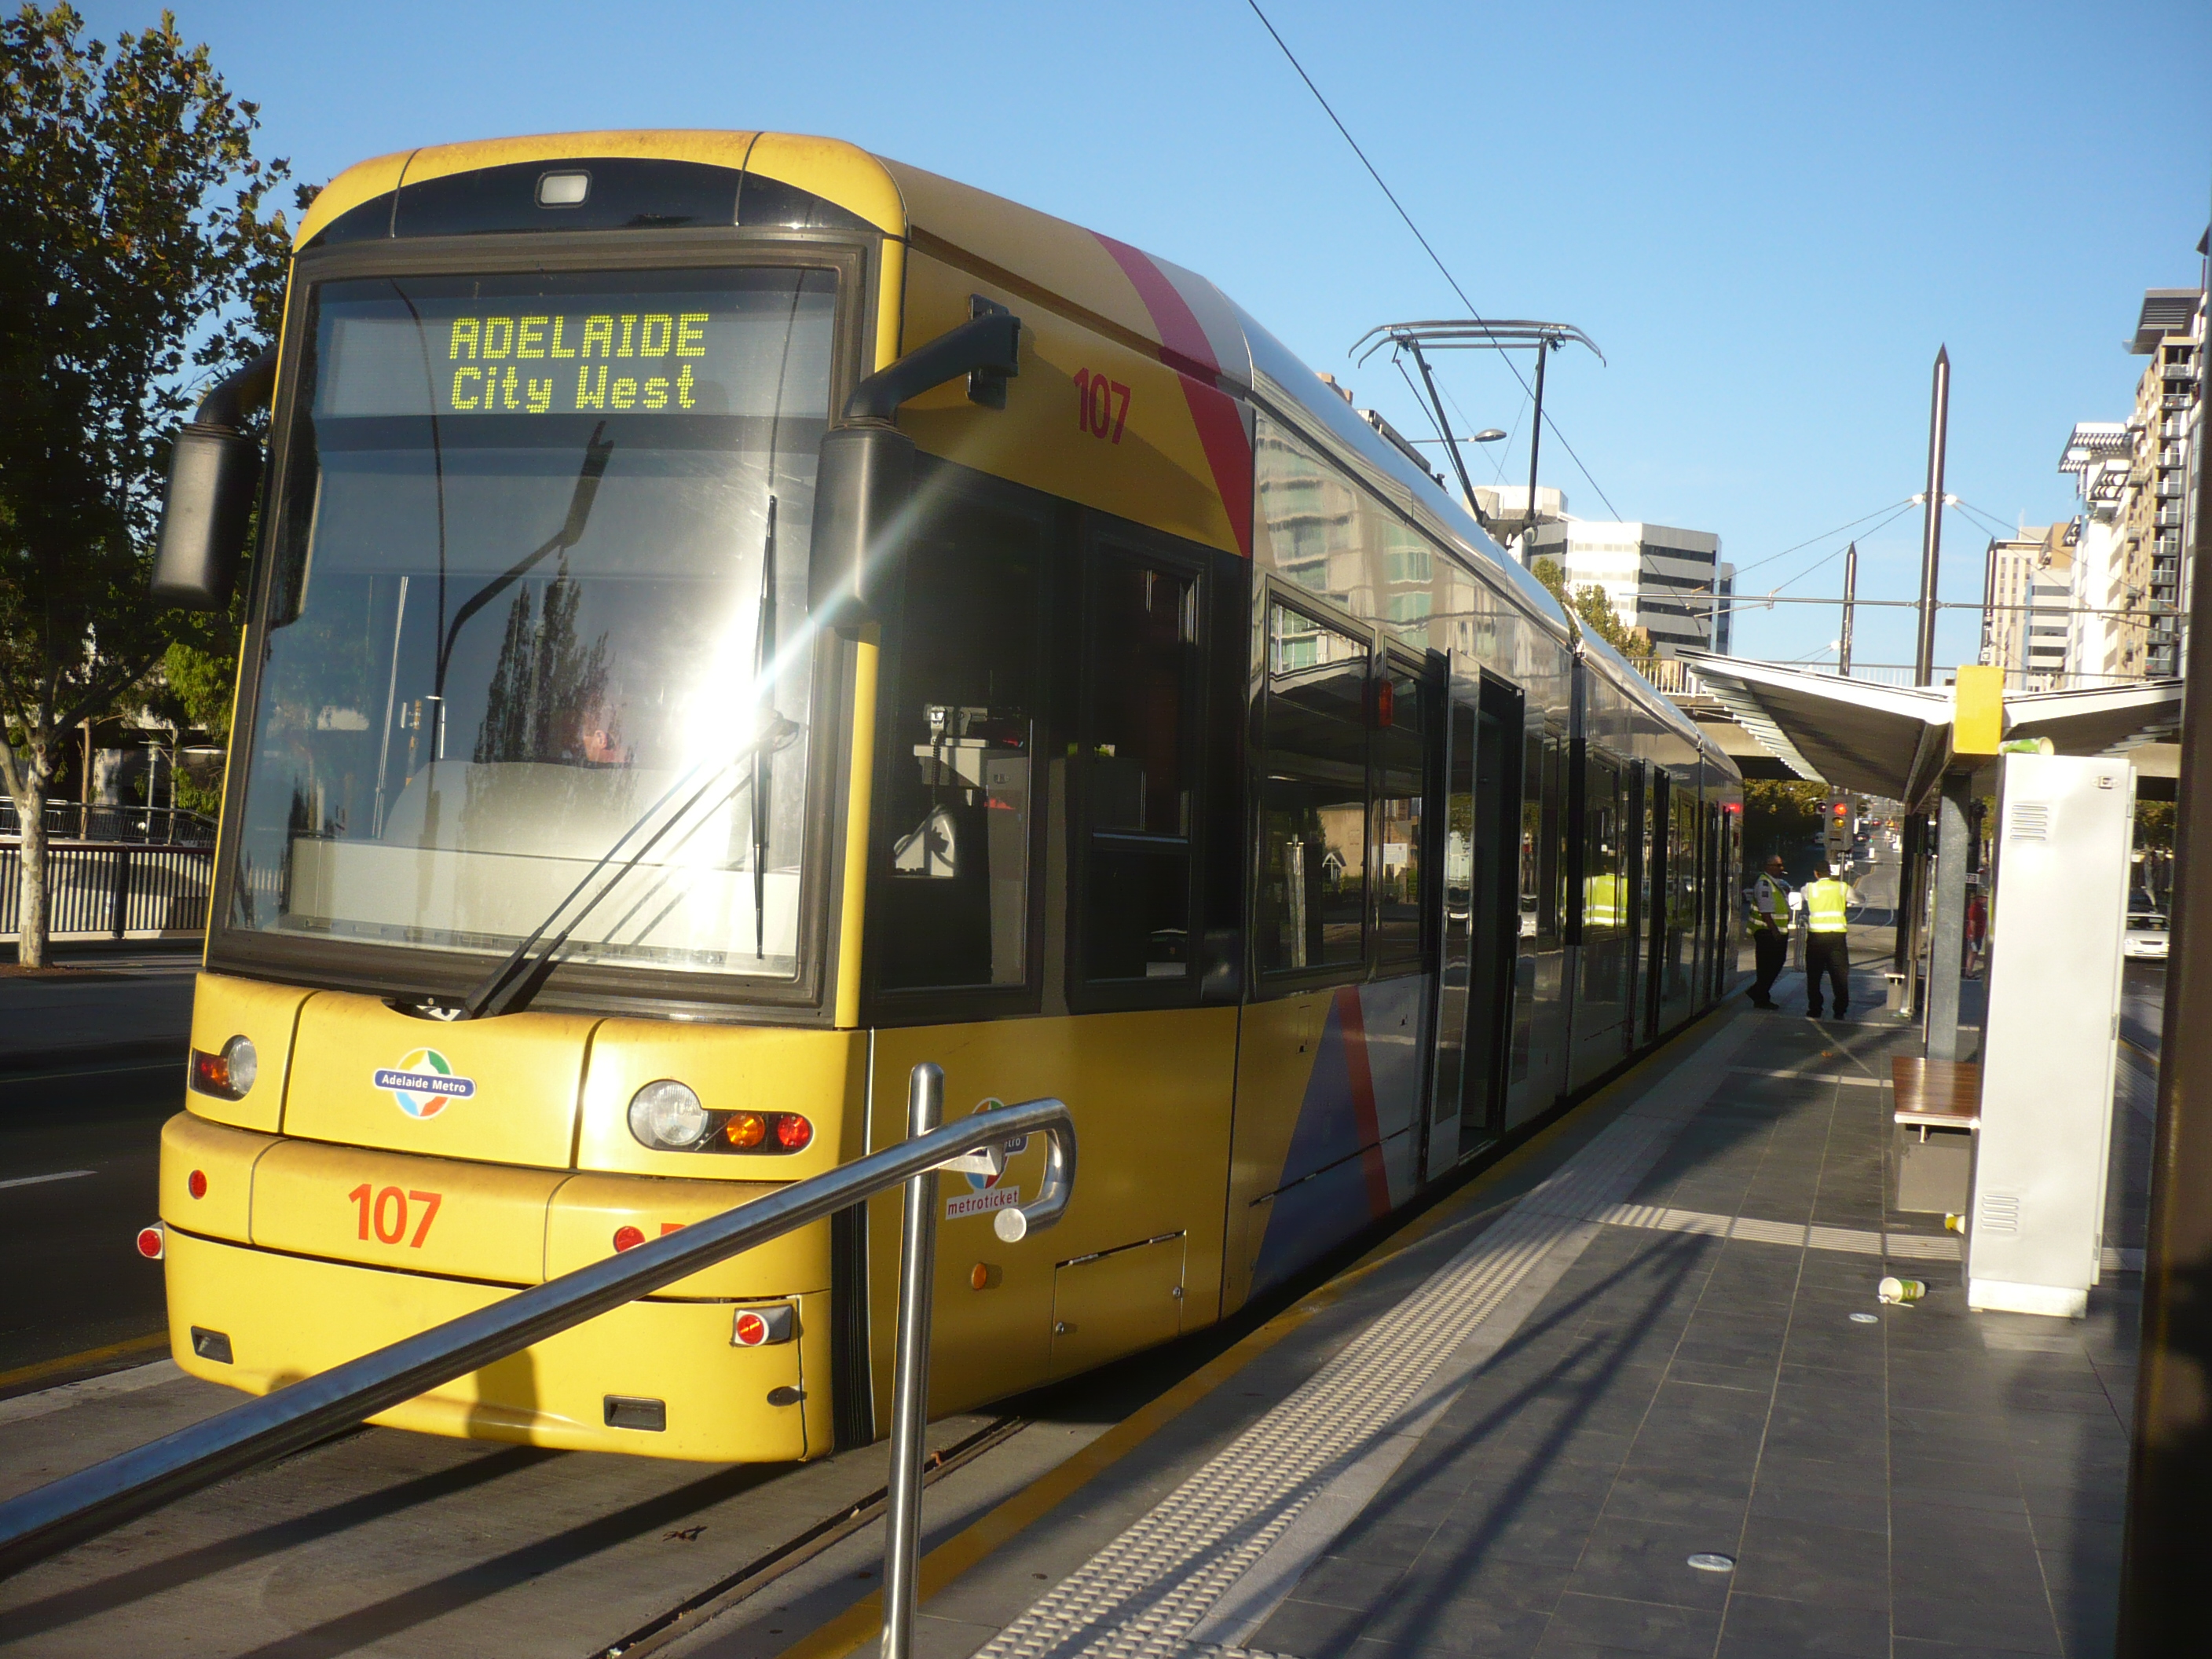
{"points": [[611, 827]]}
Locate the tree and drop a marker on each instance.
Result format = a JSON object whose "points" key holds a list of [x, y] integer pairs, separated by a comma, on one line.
{"points": [[1589, 606], [137, 266], [1780, 815]]}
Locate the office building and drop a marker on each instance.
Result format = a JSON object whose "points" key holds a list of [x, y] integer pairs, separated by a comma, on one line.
{"points": [[1660, 578]]}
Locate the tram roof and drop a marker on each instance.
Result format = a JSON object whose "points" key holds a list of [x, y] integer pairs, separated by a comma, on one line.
{"points": [[1183, 319]]}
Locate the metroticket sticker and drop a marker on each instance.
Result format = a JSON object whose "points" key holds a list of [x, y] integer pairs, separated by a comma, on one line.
{"points": [[983, 1202]]}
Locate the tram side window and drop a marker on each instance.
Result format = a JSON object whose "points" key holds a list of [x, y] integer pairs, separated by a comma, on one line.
{"points": [[956, 902], [1139, 770], [1313, 796], [1604, 896], [1400, 752]]}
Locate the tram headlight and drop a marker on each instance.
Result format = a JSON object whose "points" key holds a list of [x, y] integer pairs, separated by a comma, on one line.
{"points": [[667, 1116], [228, 1075]]}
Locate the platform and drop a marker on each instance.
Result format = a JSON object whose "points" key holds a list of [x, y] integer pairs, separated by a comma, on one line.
{"points": [[1649, 1333], [1656, 1336]]}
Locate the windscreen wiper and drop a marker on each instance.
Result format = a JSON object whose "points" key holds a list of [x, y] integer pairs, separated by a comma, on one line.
{"points": [[510, 987], [769, 719]]}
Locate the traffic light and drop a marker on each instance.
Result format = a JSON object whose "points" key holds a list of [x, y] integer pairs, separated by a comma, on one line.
{"points": [[1836, 825]]}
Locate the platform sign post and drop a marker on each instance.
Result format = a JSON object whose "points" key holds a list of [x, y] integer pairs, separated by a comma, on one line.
{"points": [[925, 1106]]}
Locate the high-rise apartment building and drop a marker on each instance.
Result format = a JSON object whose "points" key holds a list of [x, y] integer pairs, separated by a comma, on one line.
{"points": [[2154, 517], [2110, 630], [2027, 627], [1665, 581]]}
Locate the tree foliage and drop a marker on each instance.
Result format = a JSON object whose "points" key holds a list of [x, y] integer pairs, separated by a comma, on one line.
{"points": [[137, 264], [1589, 606], [1780, 815]]}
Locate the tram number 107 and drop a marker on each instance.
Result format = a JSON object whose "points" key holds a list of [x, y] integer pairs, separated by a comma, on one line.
{"points": [[387, 1211], [1102, 406]]}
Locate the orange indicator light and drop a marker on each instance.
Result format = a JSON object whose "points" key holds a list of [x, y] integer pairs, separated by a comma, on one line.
{"points": [[745, 1129]]}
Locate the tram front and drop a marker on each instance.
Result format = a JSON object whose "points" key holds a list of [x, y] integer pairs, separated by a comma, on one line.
{"points": [[524, 924]]}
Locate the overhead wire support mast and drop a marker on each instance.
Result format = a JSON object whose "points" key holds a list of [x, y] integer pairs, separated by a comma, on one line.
{"points": [[1477, 334]]}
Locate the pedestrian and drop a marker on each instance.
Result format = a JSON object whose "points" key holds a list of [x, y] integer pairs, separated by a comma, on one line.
{"points": [[1977, 931], [1769, 930], [1826, 900]]}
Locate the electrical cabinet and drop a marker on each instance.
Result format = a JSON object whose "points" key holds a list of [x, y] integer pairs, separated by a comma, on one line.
{"points": [[2035, 1231]]}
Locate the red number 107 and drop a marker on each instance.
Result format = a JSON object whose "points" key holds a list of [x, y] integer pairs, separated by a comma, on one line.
{"points": [[387, 1211], [1102, 406]]}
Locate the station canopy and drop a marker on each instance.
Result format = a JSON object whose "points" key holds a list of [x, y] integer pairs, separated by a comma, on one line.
{"points": [[1895, 741]]}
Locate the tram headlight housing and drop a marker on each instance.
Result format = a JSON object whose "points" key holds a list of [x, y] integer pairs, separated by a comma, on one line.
{"points": [[228, 1075], [667, 1116]]}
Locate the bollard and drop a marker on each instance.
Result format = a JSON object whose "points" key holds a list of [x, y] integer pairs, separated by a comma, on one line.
{"points": [[925, 1105]]}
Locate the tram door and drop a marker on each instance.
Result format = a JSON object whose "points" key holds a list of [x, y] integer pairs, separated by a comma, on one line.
{"points": [[1637, 835], [1459, 811], [1659, 864], [1495, 922]]}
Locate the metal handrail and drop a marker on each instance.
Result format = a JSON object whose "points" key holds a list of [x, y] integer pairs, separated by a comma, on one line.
{"points": [[48, 1519]]}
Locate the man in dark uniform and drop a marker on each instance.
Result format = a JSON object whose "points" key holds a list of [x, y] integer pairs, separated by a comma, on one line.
{"points": [[1769, 930]]}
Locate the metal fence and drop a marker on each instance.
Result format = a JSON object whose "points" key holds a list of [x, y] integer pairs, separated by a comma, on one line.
{"points": [[165, 826], [98, 889]]}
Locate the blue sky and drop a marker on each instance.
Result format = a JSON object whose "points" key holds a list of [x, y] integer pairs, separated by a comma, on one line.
{"points": [[1768, 217]]}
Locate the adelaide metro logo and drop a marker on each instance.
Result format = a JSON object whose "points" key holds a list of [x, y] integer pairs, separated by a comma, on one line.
{"points": [[423, 1083]]}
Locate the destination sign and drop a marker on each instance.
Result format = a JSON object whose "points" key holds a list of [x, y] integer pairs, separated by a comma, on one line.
{"points": [[575, 347]]}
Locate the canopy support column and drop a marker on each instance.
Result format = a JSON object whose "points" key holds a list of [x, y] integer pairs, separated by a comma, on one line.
{"points": [[1947, 944]]}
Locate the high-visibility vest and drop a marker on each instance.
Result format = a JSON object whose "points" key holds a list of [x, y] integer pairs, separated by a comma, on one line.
{"points": [[1601, 901], [1770, 898], [1824, 901]]}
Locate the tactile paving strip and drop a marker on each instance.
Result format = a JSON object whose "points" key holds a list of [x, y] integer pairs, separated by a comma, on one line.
{"points": [[1143, 1596]]}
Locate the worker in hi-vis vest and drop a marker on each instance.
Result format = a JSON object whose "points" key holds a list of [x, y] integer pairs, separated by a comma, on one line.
{"points": [[1769, 930], [1827, 900]]}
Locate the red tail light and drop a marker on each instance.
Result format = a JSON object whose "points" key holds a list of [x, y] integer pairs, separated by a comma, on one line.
{"points": [[628, 1238], [793, 1130], [152, 1243], [196, 1183]]}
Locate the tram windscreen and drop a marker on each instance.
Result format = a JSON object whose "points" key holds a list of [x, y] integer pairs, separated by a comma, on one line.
{"points": [[541, 578]]}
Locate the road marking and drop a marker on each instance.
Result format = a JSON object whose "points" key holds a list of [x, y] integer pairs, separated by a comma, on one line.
{"points": [[36, 1181], [89, 1357], [6, 1078]]}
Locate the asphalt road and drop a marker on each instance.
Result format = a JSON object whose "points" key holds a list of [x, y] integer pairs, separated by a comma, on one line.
{"points": [[79, 1154]]}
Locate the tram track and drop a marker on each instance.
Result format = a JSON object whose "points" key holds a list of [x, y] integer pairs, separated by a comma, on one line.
{"points": [[765, 1569]]}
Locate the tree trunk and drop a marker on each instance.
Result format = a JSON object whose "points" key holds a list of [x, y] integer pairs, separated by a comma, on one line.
{"points": [[31, 907]]}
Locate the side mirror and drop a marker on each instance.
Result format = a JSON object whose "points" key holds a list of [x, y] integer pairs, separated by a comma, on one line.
{"points": [[865, 479], [866, 470], [213, 472]]}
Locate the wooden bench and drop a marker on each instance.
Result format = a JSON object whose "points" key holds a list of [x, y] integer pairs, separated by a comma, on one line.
{"points": [[1936, 1094]]}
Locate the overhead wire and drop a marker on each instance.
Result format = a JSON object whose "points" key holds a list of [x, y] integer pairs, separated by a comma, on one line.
{"points": [[1426, 247]]}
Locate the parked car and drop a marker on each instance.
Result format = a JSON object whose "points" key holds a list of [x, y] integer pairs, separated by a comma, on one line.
{"points": [[2145, 936]]}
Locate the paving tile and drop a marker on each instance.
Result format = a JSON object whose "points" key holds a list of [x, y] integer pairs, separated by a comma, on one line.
{"points": [[1812, 1561], [1543, 1530], [1465, 1629], [2022, 1625], [1648, 1561], [1379, 1543], [1589, 1625], [1309, 1629], [1766, 1627], [1338, 1581], [1717, 1502]]}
